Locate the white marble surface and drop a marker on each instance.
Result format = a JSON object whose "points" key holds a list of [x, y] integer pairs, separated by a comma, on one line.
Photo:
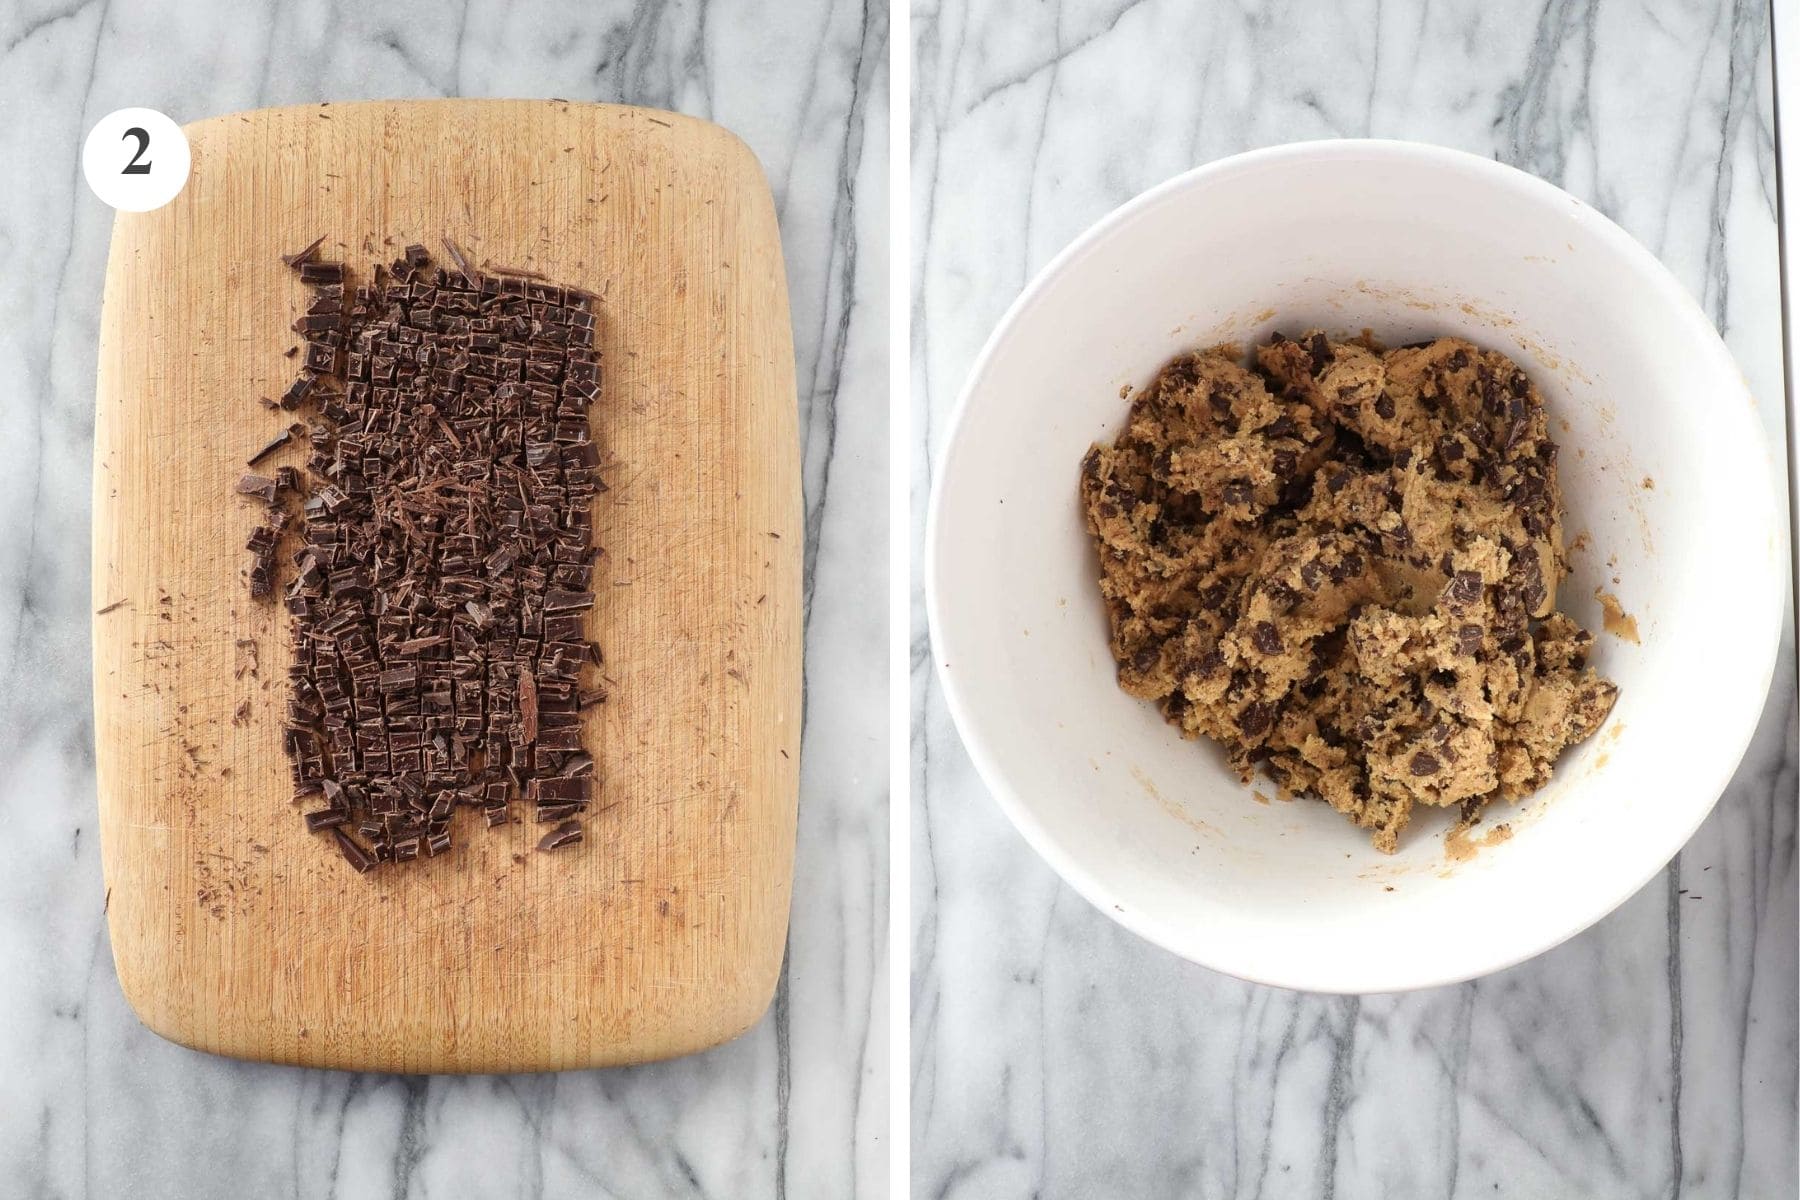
{"points": [[91, 1104], [1055, 1055]]}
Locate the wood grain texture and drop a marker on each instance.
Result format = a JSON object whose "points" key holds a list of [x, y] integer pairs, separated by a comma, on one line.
{"points": [[236, 931]]}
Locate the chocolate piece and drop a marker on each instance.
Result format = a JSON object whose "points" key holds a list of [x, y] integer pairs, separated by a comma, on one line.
{"points": [[1267, 639], [1255, 720], [297, 392], [353, 852], [257, 485], [559, 739], [1319, 350], [558, 600], [563, 789], [1463, 589], [314, 271]]}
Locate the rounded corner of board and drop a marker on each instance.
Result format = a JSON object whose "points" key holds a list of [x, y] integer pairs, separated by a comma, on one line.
{"points": [[138, 997]]}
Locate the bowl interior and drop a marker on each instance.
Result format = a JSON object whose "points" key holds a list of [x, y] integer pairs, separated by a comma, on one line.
{"points": [[1663, 470]]}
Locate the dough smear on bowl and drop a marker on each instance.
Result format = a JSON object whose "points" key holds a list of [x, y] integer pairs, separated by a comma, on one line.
{"points": [[1342, 564]]}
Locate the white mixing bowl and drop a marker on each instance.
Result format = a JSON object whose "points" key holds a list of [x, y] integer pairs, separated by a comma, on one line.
{"points": [[1664, 468]]}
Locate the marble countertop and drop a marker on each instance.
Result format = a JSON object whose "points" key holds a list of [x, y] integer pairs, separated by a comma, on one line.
{"points": [[92, 1104], [1054, 1054]]}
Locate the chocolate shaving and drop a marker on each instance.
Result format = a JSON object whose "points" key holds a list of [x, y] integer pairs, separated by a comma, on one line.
{"points": [[281, 439], [517, 272], [456, 256], [302, 256], [528, 703], [566, 834]]}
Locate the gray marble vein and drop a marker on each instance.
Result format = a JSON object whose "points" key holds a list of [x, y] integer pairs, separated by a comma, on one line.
{"points": [[92, 1105], [1054, 1054]]}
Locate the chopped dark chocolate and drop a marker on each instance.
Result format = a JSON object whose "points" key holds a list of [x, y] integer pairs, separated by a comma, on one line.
{"points": [[439, 587]]}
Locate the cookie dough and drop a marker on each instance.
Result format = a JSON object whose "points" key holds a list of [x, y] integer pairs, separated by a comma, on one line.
{"points": [[1342, 564]]}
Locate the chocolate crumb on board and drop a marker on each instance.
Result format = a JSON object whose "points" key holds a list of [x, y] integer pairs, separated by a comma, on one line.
{"points": [[436, 554]]}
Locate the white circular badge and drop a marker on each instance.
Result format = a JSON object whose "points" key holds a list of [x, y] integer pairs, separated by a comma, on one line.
{"points": [[136, 159]]}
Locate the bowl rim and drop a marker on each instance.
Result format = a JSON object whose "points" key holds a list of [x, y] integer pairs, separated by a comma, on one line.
{"points": [[1073, 870]]}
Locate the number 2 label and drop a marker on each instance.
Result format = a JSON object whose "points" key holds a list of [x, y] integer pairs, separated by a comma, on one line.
{"points": [[136, 159], [135, 167]]}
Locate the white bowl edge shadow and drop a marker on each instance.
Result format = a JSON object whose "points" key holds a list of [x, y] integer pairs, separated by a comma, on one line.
{"points": [[1412, 241]]}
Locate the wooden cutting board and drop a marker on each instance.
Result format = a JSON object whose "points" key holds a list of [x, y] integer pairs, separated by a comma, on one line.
{"points": [[236, 931]]}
